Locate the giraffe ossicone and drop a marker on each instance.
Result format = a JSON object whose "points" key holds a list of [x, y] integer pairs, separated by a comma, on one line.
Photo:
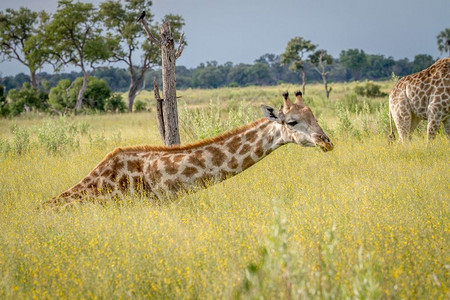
{"points": [[155, 171], [422, 96]]}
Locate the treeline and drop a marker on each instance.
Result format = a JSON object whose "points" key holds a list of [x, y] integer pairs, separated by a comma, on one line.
{"points": [[266, 70]]}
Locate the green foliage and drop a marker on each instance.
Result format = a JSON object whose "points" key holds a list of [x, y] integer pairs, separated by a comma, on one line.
{"points": [[96, 94], [348, 101], [73, 36], [59, 135], [4, 108], [19, 33], [295, 51], [344, 126], [283, 273], [443, 41], [64, 95], [140, 105], [369, 89], [382, 117], [21, 140], [27, 96], [115, 103], [202, 123], [421, 62], [355, 60]]}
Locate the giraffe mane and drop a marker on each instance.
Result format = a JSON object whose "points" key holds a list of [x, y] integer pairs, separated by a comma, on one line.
{"points": [[179, 148]]}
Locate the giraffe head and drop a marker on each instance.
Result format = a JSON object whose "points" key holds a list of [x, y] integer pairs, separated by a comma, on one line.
{"points": [[298, 124]]}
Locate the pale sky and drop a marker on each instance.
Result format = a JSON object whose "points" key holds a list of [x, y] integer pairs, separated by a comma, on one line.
{"points": [[241, 31]]}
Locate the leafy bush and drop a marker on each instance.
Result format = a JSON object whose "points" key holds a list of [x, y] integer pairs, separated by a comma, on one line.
{"points": [[5, 147], [64, 95], [344, 126], [21, 141], [115, 103], [348, 101], [27, 96], [369, 89], [140, 105], [59, 135]]}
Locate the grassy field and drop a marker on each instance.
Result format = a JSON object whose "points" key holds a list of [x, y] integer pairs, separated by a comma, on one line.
{"points": [[367, 220]]}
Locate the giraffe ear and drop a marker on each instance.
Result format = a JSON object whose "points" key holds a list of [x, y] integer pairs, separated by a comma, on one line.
{"points": [[270, 114]]}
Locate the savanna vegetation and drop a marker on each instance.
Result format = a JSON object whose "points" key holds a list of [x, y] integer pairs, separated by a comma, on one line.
{"points": [[368, 220]]}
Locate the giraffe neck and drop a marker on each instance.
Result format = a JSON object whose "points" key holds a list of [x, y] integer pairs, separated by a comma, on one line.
{"points": [[245, 148]]}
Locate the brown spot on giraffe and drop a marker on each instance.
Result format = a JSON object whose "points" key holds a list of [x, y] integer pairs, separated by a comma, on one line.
{"points": [[189, 171], [247, 162], [251, 136], [259, 150], [233, 163], [234, 144], [218, 157], [197, 159], [136, 165]]}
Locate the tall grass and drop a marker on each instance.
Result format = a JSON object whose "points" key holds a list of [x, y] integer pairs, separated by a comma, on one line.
{"points": [[367, 220]]}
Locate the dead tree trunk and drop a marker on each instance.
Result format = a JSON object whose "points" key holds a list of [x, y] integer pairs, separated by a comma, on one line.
{"points": [[323, 73], [303, 81], [169, 55], [159, 111]]}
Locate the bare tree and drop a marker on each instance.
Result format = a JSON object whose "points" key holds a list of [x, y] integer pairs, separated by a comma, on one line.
{"points": [[168, 116], [320, 59]]}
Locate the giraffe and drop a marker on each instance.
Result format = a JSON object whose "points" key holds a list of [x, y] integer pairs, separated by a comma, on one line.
{"points": [[155, 171], [422, 96]]}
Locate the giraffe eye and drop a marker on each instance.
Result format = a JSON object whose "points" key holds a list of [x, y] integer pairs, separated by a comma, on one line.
{"points": [[292, 123]]}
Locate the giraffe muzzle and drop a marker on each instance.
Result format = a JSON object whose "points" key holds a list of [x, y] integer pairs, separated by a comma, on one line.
{"points": [[323, 142]]}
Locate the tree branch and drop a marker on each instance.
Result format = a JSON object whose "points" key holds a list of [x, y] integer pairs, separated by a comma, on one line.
{"points": [[180, 46], [151, 37], [159, 110]]}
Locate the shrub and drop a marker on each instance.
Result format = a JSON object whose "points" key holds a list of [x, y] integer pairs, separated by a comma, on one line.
{"points": [[369, 89], [140, 105], [115, 103], [58, 135], [21, 139], [348, 101]]}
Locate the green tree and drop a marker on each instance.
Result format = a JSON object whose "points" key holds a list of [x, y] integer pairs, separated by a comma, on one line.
{"points": [[4, 108], [321, 60], [26, 98], [443, 41], [20, 40], [74, 37], [378, 67], [296, 49], [63, 97], [115, 103], [97, 92], [421, 62], [355, 60], [120, 18]]}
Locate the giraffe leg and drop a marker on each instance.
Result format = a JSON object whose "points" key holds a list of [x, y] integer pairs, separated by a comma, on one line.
{"points": [[403, 124], [434, 121], [401, 113]]}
